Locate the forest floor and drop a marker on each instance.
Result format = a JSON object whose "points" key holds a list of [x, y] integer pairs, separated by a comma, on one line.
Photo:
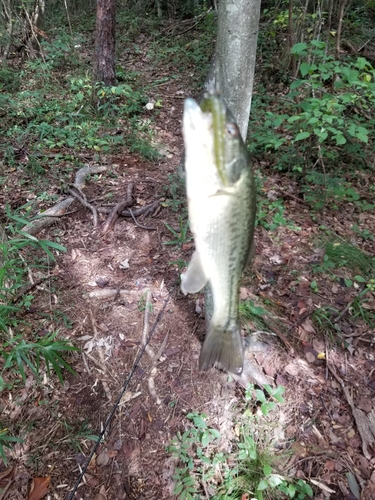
{"points": [[329, 381]]}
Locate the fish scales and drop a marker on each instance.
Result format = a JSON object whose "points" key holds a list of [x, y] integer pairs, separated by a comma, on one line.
{"points": [[221, 203]]}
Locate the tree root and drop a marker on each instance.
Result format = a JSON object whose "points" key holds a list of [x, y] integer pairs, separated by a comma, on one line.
{"points": [[117, 209], [47, 218], [154, 357]]}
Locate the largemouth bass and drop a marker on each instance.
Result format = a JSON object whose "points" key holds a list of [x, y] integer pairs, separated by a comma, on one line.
{"points": [[221, 204]]}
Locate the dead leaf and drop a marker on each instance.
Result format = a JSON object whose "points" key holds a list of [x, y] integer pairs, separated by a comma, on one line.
{"points": [[91, 480], [39, 488], [330, 465], [292, 369], [308, 326], [276, 259], [101, 495], [365, 404], [103, 458], [310, 357]]}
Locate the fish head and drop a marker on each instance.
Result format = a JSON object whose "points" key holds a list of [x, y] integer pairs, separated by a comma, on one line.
{"points": [[230, 153]]}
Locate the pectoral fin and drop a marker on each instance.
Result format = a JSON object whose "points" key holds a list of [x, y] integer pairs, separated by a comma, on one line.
{"points": [[194, 279]]}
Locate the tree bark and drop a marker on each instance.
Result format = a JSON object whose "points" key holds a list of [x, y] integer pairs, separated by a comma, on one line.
{"points": [[236, 46], [104, 65]]}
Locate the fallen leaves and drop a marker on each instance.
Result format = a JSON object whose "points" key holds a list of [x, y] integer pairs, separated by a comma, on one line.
{"points": [[39, 488]]}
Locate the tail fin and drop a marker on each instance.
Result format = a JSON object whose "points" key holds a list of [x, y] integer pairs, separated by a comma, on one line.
{"points": [[223, 346]]}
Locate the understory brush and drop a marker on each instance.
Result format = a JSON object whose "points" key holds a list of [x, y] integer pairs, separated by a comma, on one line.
{"points": [[23, 256], [251, 470]]}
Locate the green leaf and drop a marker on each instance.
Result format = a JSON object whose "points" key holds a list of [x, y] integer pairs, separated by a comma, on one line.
{"points": [[274, 480], [360, 279], [299, 49], [301, 136], [362, 137], [304, 68], [260, 396], [267, 470], [262, 485]]}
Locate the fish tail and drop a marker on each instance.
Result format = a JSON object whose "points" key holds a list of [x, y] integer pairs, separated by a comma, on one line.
{"points": [[223, 345]]}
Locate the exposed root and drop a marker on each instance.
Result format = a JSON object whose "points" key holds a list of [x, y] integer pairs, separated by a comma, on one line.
{"points": [[48, 217], [149, 228], [86, 204], [117, 209], [145, 211], [154, 357], [107, 293]]}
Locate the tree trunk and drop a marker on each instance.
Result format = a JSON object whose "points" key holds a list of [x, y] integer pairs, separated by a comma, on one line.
{"points": [[235, 55], [104, 64]]}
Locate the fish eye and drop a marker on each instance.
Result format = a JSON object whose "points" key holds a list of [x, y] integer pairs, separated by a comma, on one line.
{"points": [[232, 129]]}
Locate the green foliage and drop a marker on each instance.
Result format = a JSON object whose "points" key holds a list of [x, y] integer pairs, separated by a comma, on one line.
{"points": [[247, 470], [175, 194], [74, 437], [77, 115], [10, 80], [323, 124], [270, 212], [338, 253], [189, 447], [180, 237], [263, 397], [18, 353], [5, 442]]}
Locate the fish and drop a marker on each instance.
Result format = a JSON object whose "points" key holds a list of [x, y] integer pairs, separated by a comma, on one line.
{"points": [[221, 202]]}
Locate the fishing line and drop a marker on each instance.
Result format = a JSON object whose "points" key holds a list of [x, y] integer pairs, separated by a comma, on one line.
{"points": [[125, 386]]}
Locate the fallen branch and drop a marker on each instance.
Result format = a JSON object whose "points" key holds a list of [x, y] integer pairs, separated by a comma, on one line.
{"points": [[48, 217], [117, 209]]}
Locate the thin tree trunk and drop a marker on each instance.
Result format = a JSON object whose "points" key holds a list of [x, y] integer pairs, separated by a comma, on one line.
{"points": [[339, 28], [236, 46], [291, 39], [104, 65]]}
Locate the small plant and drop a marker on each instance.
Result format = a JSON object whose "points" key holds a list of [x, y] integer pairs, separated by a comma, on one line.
{"points": [[181, 237], [175, 194], [5, 442], [180, 263], [189, 447], [19, 354], [76, 438], [263, 398], [339, 253]]}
